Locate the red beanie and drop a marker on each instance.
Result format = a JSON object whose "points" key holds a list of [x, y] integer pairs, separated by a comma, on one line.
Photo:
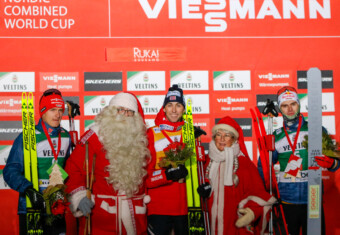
{"points": [[49, 102], [229, 124]]}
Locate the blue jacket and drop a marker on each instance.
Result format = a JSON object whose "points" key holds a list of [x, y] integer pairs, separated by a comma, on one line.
{"points": [[14, 169]]}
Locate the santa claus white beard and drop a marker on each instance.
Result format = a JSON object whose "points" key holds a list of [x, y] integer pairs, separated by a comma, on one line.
{"points": [[124, 139]]}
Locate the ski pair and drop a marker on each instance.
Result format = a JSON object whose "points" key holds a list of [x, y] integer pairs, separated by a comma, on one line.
{"points": [[34, 217], [266, 144], [198, 220]]}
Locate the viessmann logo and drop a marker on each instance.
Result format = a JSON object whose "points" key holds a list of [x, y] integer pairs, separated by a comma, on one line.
{"points": [[215, 13], [273, 76], [230, 100]]}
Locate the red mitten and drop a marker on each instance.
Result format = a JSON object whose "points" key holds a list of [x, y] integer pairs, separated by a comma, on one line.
{"points": [[324, 161]]}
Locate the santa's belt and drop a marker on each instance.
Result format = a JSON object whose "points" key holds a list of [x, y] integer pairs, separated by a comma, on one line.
{"points": [[119, 198], [303, 178]]}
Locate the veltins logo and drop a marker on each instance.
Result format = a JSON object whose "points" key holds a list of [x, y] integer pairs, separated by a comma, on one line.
{"points": [[232, 80], [190, 80], [199, 103], [94, 104], [326, 75], [17, 81], [146, 81], [103, 81], [327, 102], [151, 104]]}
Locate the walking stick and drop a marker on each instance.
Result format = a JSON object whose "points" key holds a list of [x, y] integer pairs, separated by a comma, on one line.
{"points": [[73, 110]]}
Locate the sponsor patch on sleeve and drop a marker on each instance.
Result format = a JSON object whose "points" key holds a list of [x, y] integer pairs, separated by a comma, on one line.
{"points": [[156, 172]]}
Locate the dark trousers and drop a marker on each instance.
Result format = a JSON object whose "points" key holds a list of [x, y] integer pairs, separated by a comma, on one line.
{"points": [[296, 218], [163, 224], [58, 228]]}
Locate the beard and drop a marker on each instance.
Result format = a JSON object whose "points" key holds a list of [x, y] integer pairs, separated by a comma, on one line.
{"points": [[125, 142]]}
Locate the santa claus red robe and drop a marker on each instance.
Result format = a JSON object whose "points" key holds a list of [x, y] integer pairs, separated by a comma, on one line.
{"points": [[250, 193], [112, 213]]}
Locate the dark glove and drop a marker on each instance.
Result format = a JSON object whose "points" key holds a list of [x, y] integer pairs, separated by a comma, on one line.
{"points": [[324, 161], [36, 198], [85, 206], [204, 190], [198, 132], [177, 173]]}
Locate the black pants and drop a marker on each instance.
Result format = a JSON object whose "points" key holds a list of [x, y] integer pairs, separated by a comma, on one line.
{"points": [[58, 228], [163, 224], [296, 218]]}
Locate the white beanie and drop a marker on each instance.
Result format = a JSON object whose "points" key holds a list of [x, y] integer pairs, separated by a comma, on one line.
{"points": [[125, 100]]}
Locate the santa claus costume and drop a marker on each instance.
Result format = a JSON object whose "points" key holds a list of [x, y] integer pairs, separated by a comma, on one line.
{"points": [[238, 203], [120, 145]]}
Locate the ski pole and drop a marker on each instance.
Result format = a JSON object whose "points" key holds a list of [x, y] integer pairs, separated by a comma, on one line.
{"points": [[87, 182]]}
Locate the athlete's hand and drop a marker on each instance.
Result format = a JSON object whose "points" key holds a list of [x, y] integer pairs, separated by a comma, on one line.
{"points": [[324, 161], [177, 173], [36, 198], [204, 190]]}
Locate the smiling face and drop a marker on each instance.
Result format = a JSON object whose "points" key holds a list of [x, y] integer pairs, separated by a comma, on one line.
{"points": [[223, 139], [173, 111], [289, 108], [53, 116]]}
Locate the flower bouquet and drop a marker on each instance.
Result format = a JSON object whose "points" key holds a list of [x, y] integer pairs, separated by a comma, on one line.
{"points": [[176, 153], [329, 148]]}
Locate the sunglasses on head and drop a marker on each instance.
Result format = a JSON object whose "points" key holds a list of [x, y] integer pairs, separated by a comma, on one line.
{"points": [[286, 88], [50, 92]]}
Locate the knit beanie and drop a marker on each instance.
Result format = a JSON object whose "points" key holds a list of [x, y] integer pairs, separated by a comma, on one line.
{"points": [[51, 98], [287, 93], [175, 94]]}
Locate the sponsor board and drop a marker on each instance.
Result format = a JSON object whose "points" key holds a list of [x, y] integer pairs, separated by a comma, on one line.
{"points": [[267, 80], [151, 104], [190, 80], [204, 124], [327, 102], [10, 106], [9, 130], [88, 124], [149, 123], [103, 81], [145, 54], [261, 101], [74, 99], [94, 104], [146, 81], [277, 122], [63, 81], [4, 152], [66, 125], [326, 75], [245, 124], [17, 81], [232, 80], [226, 103], [328, 122], [199, 103], [249, 147]]}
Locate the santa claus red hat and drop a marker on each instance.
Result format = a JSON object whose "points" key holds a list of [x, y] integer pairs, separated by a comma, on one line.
{"points": [[127, 100], [230, 125], [51, 98]]}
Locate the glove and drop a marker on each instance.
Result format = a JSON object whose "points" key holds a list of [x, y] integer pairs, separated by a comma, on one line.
{"points": [[247, 217], [36, 198], [85, 206], [177, 173], [324, 161], [204, 190]]}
